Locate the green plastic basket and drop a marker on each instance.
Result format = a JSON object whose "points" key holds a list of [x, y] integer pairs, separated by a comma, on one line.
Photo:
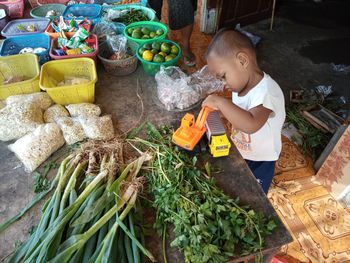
{"points": [[151, 68], [41, 11], [152, 25]]}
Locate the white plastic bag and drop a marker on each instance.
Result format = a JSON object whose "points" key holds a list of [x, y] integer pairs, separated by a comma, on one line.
{"points": [[40, 99], [98, 128], [83, 109], [34, 148], [54, 112], [17, 119], [72, 130]]}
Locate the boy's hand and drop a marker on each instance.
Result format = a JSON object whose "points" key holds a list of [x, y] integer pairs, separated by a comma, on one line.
{"points": [[212, 102]]}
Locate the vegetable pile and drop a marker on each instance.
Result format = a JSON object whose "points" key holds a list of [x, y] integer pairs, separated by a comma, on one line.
{"points": [[158, 52], [208, 225], [89, 217], [144, 32], [131, 16]]}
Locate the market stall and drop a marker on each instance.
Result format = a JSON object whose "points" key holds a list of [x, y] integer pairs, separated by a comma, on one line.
{"points": [[121, 104]]}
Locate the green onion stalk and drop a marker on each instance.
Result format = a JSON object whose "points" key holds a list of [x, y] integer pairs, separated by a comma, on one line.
{"points": [[83, 220]]}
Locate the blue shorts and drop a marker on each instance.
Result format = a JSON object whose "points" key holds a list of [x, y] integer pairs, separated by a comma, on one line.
{"points": [[263, 172]]}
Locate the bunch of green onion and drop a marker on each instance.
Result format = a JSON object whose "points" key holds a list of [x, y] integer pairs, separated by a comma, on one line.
{"points": [[89, 217]]}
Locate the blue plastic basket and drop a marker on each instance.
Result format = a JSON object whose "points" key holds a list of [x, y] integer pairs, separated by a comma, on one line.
{"points": [[11, 30], [118, 2], [80, 11], [14, 45]]}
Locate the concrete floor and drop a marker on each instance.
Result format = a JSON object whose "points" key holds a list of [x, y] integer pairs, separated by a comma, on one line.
{"points": [[279, 55]]}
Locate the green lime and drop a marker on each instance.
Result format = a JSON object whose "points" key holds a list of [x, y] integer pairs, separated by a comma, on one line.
{"points": [[154, 51], [158, 58], [152, 34], [169, 57], [145, 37], [159, 32], [163, 54], [130, 30], [145, 31], [156, 45], [141, 50], [165, 47], [147, 46], [137, 29], [136, 34], [174, 50]]}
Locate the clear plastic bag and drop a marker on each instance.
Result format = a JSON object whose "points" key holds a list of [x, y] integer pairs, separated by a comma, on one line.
{"points": [[72, 130], [205, 82], [17, 119], [176, 90], [34, 148], [104, 29], [40, 99], [113, 14], [117, 43], [83, 109], [98, 128], [54, 112]]}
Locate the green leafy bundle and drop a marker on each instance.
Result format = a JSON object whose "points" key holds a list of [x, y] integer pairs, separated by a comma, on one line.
{"points": [[208, 225]]}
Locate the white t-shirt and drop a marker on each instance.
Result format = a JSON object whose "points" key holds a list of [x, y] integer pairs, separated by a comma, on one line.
{"points": [[265, 144]]}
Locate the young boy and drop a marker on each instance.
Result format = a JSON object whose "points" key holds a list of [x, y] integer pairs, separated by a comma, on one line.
{"points": [[256, 111]]}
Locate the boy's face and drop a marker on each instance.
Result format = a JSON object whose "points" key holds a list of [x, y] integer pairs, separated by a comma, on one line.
{"points": [[230, 70]]}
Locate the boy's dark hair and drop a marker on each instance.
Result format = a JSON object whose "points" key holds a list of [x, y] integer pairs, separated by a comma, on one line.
{"points": [[228, 41]]}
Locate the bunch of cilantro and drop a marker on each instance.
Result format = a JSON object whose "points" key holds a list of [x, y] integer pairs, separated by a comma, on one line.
{"points": [[208, 225]]}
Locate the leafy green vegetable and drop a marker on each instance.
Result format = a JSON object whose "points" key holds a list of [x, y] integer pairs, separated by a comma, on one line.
{"points": [[313, 140], [208, 225]]}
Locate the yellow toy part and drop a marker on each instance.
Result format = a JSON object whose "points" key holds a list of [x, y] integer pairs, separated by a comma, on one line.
{"points": [[219, 145]]}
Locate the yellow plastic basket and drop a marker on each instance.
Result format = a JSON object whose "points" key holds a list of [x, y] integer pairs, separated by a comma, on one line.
{"points": [[54, 72], [24, 65]]}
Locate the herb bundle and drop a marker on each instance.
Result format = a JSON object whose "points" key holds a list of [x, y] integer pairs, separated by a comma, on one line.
{"points": [[208, 225]]}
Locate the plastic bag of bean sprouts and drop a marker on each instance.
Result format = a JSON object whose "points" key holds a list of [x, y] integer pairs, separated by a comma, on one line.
{"points": [[40, 99], [54, 112], [17, 119], [98, 128], [83, 109], [34, 148], [72, 129]]}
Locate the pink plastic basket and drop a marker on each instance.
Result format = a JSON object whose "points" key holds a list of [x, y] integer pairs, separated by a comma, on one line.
{"points": [[92, 55], [44, 2], [16, 8]]}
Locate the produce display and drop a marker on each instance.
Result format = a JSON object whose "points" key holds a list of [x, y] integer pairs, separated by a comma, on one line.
{"points": [[144, 33], [158, 52], [91, 213], [90, 216], [130, 16], [208, 225]]}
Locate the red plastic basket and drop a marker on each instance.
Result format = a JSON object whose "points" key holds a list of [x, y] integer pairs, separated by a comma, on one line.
{"points": [[44, 2], [16, 8], [52, 34], [92, 55]]}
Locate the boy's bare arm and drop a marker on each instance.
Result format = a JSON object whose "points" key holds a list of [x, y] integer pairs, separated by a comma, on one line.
{"points": [[246, 121]]}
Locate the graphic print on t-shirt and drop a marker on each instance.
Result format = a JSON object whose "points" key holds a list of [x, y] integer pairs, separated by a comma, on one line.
{"points": [[241, 140]]}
